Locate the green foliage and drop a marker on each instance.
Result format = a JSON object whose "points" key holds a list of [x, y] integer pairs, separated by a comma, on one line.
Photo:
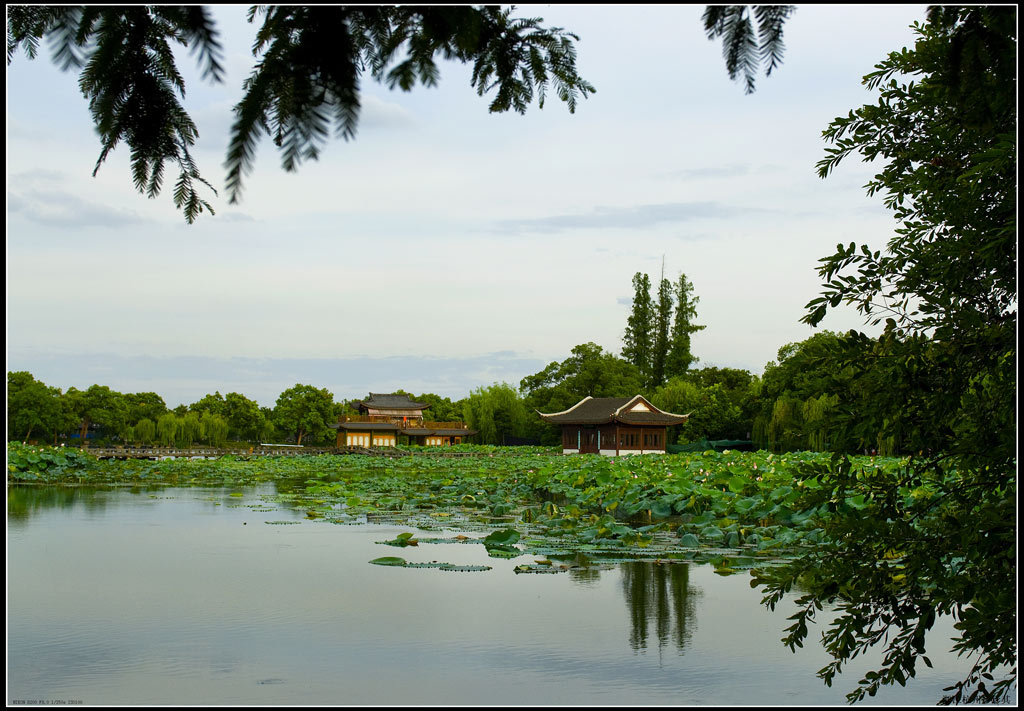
{"points": [[712, 414], [129, 76], [145, 431], [309, 64], [99, 405], [190, 429], [496, 412], [800, 397], [305, 81], [246, 421], [638, 341], [662, 322], [940, 381], [305, 412], [167, 429], [311, 58], [588, 371], [655, 342], [743, 50], [680, 357], [442, 409], [402, 540], [144, 406], [35, 408], [27, 463], [213, 404], [215, 429], [720, 402]]}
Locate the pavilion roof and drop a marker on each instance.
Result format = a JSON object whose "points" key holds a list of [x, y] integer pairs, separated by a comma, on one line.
{"points": [[636, 410], [390, 401]]}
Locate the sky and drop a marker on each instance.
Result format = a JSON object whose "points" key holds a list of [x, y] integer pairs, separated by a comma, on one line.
{"points": [[447, 248]]}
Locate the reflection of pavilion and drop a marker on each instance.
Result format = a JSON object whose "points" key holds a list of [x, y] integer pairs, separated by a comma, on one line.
{"points": [[660, 593], [383, 418]]}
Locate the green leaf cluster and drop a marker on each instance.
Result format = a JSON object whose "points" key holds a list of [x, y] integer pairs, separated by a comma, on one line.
{"points": [[941, 380]]}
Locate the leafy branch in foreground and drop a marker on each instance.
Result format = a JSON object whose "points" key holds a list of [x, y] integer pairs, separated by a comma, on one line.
{"points": [[306, 81], [938, 537], [129, 76], [305, 84], [743, 48]]}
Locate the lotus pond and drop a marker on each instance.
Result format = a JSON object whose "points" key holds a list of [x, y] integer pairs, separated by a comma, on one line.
{"points": [[511, 578]]}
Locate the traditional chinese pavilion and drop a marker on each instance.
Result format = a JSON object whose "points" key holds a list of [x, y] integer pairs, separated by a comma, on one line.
{"points": [[613, 426], [383, 418]]}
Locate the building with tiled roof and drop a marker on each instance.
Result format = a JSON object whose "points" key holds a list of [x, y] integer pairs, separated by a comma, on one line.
{"points": [[384, 418], [613, 426]]}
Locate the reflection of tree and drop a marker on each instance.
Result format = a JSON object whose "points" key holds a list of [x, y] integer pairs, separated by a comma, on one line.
{"points": [[24, 501], [660, 593], [585, 576]]}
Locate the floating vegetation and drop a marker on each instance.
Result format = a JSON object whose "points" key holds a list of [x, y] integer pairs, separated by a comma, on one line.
{"points": [[401, 540], [528, 568], [735, 510], [402, 563]]}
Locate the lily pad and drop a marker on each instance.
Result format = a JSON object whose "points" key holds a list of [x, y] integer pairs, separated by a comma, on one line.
{"points": [[389, 560]]}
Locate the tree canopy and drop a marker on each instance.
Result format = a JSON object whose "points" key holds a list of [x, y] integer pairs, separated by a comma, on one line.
{"points": [[589, 370], [657, 343], [496, 412], [938, 536], [35, 408], [305, 412]]}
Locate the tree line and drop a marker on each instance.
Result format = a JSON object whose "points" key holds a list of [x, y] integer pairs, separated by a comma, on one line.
{"points": [[801, 402]]}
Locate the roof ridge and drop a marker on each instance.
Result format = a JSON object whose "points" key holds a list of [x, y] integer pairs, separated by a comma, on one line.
{"points": [[563, 412], [631, 401]]}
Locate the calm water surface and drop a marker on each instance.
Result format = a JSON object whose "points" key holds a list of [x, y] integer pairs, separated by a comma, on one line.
{"points": [[189, 596]]}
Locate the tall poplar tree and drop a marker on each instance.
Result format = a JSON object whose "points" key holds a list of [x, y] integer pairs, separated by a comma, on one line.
{"points": [[662, 322], [638, 342], [680, 357]]}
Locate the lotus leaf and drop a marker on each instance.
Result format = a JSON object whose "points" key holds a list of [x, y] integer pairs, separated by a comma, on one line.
{"points": [[389, 560]]}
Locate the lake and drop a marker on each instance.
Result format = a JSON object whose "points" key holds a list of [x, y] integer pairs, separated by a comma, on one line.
{"points": [[219, 596]]}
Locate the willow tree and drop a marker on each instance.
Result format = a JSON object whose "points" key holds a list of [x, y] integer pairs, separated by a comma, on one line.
{"points": [[215, 429], [167, 429], [190, 429], [816, 412], [145, 431], [496, 412]]}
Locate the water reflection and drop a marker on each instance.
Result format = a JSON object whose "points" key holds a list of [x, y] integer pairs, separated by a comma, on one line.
{"points": [[23, 502], [185, 596], [660, 595]]}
